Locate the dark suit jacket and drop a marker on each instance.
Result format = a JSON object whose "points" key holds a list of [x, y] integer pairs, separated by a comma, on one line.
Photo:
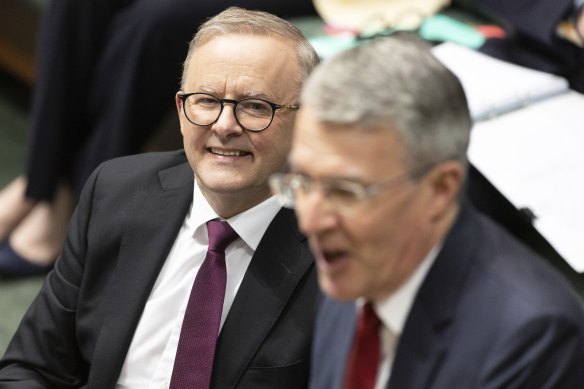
{"points": [[489, 314], [78, 330], [532, 40]]}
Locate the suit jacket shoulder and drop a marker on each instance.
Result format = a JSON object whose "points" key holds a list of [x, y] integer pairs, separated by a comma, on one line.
{"points": [[490, 314]]}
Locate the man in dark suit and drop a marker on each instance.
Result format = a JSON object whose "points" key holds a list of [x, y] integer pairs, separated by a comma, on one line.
{"points": [[110, 314], [422, 290]]}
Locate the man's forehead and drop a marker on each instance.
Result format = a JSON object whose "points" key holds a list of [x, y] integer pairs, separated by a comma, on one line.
{"points": [[310, 123], [231, 35], [235, 40], [337, 142], [245, 63]]}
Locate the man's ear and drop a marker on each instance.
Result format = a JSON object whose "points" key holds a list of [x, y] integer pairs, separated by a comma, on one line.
{"points": [[445, 182], [178, 102], [179, 110]]}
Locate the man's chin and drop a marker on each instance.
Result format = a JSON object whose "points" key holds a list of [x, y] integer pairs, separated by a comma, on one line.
{"points": [[222, 183], [337, 290]]}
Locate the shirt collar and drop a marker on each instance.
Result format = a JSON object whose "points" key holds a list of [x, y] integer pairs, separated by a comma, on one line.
{"points": [[250, 225]]}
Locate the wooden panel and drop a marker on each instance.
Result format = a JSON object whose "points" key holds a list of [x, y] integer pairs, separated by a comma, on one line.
{"points": [[19, 22]]}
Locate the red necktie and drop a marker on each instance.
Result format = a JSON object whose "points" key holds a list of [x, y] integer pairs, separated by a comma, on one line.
{"points": [[363, 359], [198, 336]]}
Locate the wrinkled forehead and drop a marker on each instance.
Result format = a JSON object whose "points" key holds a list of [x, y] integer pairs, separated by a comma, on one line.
{"points": [[279, 43], [257, 63]]}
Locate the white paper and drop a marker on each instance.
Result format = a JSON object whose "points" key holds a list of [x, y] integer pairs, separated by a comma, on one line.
{"points": [[494, 87], [535, 158]]}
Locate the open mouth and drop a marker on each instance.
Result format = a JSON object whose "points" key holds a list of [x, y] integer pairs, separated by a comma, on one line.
{"points": [[332, 256], [228, 153], [332, 261]]}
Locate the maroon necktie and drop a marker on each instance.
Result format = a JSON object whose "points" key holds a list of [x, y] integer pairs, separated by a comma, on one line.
{"points": [[198, 336], [363, 359]]}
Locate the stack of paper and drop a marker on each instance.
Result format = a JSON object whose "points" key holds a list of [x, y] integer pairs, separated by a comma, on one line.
{"points": [[494, 87], [534, 157]]}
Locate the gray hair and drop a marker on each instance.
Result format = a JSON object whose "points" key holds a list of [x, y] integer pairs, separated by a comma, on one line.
{"points": [[235, 20], [395, 82]]}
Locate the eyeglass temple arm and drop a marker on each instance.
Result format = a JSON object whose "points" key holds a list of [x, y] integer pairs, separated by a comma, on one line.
{"points": [[289, 106]]}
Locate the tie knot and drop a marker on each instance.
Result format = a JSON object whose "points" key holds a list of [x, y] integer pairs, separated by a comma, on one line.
{"points": [[220, 235]]}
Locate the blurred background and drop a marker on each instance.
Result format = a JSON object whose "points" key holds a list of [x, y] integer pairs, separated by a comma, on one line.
{"points": [[15, 296], [18, 29]]}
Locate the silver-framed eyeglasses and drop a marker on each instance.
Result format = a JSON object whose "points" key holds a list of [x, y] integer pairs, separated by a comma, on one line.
{"points": [[343, 194], [252, 114]]}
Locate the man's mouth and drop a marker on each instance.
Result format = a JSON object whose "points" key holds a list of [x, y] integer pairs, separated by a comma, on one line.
{"points": [[229, 153], [331, 256], [332, 261]]}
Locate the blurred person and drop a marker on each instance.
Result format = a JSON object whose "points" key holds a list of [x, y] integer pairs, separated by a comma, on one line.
{"points": [[111, 312], [107, 72], [422, 291], [540, 34]]}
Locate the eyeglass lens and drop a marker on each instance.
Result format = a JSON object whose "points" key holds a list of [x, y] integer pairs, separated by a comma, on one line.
{"points": [[252, 114], [290, 188]]}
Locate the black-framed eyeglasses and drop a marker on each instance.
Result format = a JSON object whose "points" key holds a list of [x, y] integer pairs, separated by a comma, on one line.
{"points": [[252, 114], [343, 194]]}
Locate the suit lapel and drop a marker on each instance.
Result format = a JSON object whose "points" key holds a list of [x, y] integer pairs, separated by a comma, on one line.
{"points": [[423, 343], [419, 352], [335, 329], [346, 320], [278, 265], [148, 235]]}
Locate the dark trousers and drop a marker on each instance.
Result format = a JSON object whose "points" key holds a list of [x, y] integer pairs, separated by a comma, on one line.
{"points": [[107, 74]]}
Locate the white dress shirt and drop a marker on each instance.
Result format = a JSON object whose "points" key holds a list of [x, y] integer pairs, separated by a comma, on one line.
{"points": [[393, 313], [150, 358]]}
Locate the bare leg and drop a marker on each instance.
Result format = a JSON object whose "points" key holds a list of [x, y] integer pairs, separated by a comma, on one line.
{"points": [[40, 235], [14, 206]]}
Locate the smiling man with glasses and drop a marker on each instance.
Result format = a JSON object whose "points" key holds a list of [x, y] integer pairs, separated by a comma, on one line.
{"points": [[422, 290], [181, 270]]}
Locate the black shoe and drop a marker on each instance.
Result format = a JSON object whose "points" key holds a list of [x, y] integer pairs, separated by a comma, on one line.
{"points": [[13, 266]]}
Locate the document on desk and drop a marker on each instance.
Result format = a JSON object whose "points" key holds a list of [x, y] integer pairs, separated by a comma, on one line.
{"points": [[494, 87], [535, 158]]}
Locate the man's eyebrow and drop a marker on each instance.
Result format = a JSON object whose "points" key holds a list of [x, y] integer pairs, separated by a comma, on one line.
{"points": [[299, 171], [206, 89], [256, 94], [352, 179]]}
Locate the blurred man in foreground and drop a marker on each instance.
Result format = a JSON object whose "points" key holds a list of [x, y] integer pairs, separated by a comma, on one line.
{"points": [[423, 291]]}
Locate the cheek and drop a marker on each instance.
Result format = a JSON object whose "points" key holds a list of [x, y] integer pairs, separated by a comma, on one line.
{"points": [[185, 125], [370, 236], [379, 246], [192, 137], [273, 149], [379, 233]]}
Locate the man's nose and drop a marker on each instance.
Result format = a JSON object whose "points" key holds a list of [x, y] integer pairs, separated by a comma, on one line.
{"points": [[227, 125], [315, 213]]}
